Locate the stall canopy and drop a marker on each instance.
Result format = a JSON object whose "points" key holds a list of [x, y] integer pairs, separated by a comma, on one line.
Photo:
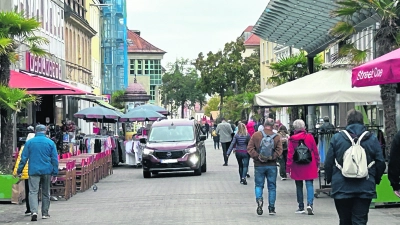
{"points": [[324, 87], [40, 85], [382, 70]]}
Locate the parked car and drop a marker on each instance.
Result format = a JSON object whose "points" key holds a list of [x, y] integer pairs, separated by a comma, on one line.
{"points": [[174, 145]]}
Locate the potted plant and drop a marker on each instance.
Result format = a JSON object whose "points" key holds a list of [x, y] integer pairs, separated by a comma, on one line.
{"points": [[12, 100]]}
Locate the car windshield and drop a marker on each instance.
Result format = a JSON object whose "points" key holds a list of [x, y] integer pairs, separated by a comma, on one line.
{"points": [[171, 134]]}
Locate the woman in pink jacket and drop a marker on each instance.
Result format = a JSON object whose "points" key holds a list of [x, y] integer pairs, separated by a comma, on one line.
{"points": [[250, 127], [303, 172]]}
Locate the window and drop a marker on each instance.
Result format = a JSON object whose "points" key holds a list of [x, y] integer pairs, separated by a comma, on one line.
{"points": [[132, 67], [153, 92], [171, 133], [140, 67], [152, 68]]}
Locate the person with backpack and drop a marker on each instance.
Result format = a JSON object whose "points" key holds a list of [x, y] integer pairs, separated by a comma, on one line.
{"points": [[302, 164], [241, 140], [215, 137], [354, 165], [265, 147]]}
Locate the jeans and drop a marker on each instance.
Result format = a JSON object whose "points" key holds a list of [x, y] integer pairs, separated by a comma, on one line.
{"points": [[28, 208], [44, 181], [216, 144], [353, 211], [243, 161], [225, 146], [299, 192], [282, 164], [260, 173]]}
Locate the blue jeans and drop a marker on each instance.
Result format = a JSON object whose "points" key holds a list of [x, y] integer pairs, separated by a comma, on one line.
{"points": [[260, 173], [299, 192], [34, 182], [243, 161]]}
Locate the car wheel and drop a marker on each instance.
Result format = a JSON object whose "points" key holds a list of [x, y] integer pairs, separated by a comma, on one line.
{"points": [[204, 166], [146, 174]]}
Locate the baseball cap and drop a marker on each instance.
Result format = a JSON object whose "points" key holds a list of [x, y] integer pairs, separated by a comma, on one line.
{"points": [[40, 128]]}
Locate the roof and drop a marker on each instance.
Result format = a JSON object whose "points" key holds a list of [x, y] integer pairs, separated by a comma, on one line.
{"points": [[248, 29], [176, 122], [253, 40], [136, 44], [304, 24]]}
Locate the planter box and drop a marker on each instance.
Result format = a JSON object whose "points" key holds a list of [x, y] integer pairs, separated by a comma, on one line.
{"points": [[7, 182], [385, 193]]}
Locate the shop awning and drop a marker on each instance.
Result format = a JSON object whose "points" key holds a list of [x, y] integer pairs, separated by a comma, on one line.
{"points": [[305, 24], [107, 105], [324, 87], [40, 85]]}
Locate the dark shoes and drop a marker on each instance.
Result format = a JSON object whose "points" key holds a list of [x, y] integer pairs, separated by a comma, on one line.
{"points": [[243, 181], [28, 213], [34, 217], [271, 210], [248, 175], [310, 210], [225, 164], [260, 204]]}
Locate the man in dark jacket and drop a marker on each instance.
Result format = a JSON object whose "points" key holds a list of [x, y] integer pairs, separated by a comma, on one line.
{"points": [[43, 164], [327, 127], [394, 165], [265, 169], [354, 195], [207, 127]]}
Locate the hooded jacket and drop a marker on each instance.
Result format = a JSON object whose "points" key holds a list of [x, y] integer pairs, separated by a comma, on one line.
{"points": [[253, 148], [42, 155], [250, 127], [394, 163], [343, 187], [302, 171]]}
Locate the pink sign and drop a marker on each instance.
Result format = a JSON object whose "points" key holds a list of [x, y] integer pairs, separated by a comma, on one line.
{"points": [[43, 66], [382, 70]]}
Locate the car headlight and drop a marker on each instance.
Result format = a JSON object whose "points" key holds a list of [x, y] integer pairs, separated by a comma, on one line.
{"points": [[191, 150], [147, 151]]}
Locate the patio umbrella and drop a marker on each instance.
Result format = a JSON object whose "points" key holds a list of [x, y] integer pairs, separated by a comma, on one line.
{"points": [[151, 107], [141, 115], [382, 70], [98, 113]]}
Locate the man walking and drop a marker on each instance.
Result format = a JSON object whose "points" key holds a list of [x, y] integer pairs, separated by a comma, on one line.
{"points": [[43, 164], [265, 167], [207, 127], [224, 130]]}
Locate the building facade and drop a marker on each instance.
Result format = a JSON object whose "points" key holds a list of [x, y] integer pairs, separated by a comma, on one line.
{"points": [[145, 62]]}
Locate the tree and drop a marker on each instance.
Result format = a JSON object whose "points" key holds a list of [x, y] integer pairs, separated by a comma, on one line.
{"points": [[387, 38], [15, 30], [179, 85], [12, 100], [212, 105], [290, 68], [116, 99], [251, 82], [238, 106], [219, 71]]}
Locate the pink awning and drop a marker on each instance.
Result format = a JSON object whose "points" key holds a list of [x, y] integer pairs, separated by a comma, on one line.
{"points": [[382, 70]]}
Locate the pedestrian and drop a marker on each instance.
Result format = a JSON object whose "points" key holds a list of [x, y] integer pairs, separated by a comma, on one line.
{"points": [[215, 137], [283, 159], [303, 172], [24, 174], [353, 196], [394, 165], [250, 126], [265, 167], [241, 140], [327, 127], [224, 130], [280, 126], [207, 127], [43, 164]]}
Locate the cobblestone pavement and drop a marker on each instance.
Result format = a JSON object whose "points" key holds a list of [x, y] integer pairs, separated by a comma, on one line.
{"points": [[216, 197]]}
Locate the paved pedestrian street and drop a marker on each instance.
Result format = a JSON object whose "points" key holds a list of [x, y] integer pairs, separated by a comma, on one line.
{"points": [[215, 197]]}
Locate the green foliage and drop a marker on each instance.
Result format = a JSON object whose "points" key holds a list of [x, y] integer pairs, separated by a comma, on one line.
{"points": [[212, 105], [221, 70], [14, 99], [291, 67], [237, 104], [116, 99], [180, 84]]}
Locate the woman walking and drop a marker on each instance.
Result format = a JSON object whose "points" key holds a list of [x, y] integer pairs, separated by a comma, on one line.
{"points": [[303, 172], [240, 140]]}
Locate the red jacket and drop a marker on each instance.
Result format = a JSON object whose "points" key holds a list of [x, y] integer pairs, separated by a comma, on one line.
{"points": [[298, 171], [250, 127]]}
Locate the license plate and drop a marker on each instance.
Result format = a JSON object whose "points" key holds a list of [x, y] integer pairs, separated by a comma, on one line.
{"points": [[169, 160]]}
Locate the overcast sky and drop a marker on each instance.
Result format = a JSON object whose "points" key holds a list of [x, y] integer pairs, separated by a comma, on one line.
{"points": [[184, 28]]}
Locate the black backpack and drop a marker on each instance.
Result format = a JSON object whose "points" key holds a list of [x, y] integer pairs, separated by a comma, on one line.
{"points": [[302, 155]]}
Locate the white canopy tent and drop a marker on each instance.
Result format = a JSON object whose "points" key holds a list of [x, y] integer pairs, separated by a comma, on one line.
{"points": [[324, 87]]}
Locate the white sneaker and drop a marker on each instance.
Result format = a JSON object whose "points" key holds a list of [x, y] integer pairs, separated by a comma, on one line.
{"points": [[283, 178], [310, 210], [46, 217]]}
